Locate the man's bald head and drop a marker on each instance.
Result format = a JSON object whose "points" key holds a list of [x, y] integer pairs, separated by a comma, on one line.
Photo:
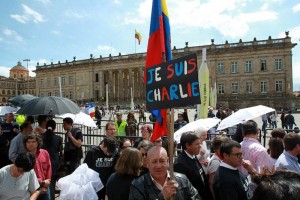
{"points": [[156, 150]]}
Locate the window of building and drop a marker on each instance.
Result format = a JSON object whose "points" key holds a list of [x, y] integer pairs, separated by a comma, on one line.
{"points": [[248, 66], [63, 80], [249, 87], [70, 80], [263, 65], [234, 88], [63, 94], [49, 93], [278, 64], [48, 82], [221, 88], [97, 78], [55, 93], [42, 82], [8, 92], [220, 68], [234, 67], [55, 82], [42, 94], [70, 95], [14, 92], [278, 86], [263, 87]]}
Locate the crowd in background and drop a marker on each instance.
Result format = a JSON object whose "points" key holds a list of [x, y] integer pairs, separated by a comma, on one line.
{"points": [[238, 168]]}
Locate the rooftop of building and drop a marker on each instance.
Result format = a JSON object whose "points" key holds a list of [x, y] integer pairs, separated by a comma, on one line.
{"points": [[19, 66]]}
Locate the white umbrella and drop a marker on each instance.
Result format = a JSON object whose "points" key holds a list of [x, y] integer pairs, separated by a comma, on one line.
{"points": [[244, 115], [195, 126], [7, 109], [80, 118]]}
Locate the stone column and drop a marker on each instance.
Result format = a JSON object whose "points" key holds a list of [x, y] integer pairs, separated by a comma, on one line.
{"points": [[121, 84], [101, 85], [135, 83], [110, 84], [141, 84], [116, 79]]}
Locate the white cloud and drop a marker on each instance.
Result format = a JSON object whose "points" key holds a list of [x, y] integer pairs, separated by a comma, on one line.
{"points": [[1, 39], [55, 32], [43, 1], [13, 34], [296, 8], [28, 15], [105, 50], [227, 17], [4, 71], [73, 14], [294, 33], [117, 1]]}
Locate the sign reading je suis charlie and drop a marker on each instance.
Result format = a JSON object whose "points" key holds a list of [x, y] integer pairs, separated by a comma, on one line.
{"points": [[173, 84]]}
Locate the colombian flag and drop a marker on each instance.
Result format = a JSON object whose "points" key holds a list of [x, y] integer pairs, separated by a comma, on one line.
{"points": [[158, 51], [138, 36]]}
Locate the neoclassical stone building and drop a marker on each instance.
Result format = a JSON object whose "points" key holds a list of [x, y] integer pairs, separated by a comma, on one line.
{"points": [[19, 82], [246, 73]]}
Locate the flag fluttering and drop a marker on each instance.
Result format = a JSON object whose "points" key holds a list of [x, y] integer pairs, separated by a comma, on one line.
{"points": [[138, 36], [158, 51]]}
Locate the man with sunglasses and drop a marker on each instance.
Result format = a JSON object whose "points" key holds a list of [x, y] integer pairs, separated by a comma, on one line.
{"points": [[229, 183]]}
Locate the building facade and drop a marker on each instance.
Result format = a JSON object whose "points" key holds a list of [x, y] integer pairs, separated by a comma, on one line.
{"points": [[245, 73], [19, 82]]}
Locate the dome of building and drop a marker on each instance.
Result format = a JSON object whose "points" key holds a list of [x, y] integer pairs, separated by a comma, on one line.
{"points": [[19, 66]]}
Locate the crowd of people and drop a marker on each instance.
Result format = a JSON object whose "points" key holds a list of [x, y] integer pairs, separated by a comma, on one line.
{"points": [[138, 169]]}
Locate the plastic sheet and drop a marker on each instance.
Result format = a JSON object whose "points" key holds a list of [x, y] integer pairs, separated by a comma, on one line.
{"points": [[82, 184]]}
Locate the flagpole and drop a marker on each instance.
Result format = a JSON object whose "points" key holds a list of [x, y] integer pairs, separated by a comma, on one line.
{"points": [[134, 42], [171, 144]]}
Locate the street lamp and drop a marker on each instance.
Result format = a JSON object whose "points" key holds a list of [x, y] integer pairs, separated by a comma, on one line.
{"points": [[27, 60]]}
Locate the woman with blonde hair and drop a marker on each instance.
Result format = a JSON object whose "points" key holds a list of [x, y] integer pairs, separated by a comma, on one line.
{"points": [[127, 168]]}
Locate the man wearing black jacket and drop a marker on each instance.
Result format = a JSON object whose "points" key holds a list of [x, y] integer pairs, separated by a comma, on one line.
{"points": [[102, 159], [188, 164]]}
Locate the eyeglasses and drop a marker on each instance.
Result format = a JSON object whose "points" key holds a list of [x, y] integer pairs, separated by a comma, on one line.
{"points": [[238, 155], [144, 154]]}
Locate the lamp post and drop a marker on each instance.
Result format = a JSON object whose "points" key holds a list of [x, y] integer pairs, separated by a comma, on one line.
{"points": [[27, 60]]}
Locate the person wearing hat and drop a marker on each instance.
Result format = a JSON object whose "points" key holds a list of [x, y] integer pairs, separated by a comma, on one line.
{"points": [[121, 125]]}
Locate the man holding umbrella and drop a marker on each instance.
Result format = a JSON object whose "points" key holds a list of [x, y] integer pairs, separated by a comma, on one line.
{"points": [[73, 150]]}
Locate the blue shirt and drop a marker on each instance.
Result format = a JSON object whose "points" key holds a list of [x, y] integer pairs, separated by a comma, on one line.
{"points": [[287, 161]]}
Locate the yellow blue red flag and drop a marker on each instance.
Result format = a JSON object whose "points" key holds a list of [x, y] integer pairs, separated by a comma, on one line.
{"points": [[158, 51], [138, 36]]}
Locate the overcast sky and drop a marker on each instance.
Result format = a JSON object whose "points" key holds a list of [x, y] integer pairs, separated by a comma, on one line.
{"points": [[56, 30]]}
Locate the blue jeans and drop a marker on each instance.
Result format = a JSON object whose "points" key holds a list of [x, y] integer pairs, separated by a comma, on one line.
{"points": [[45, 196]]}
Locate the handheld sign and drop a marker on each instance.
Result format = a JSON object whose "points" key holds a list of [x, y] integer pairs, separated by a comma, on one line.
{"points": [[173, 84]]}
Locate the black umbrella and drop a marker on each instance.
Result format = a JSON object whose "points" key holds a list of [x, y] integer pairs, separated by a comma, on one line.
{"points": [[49, 106], [20, 100]]}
